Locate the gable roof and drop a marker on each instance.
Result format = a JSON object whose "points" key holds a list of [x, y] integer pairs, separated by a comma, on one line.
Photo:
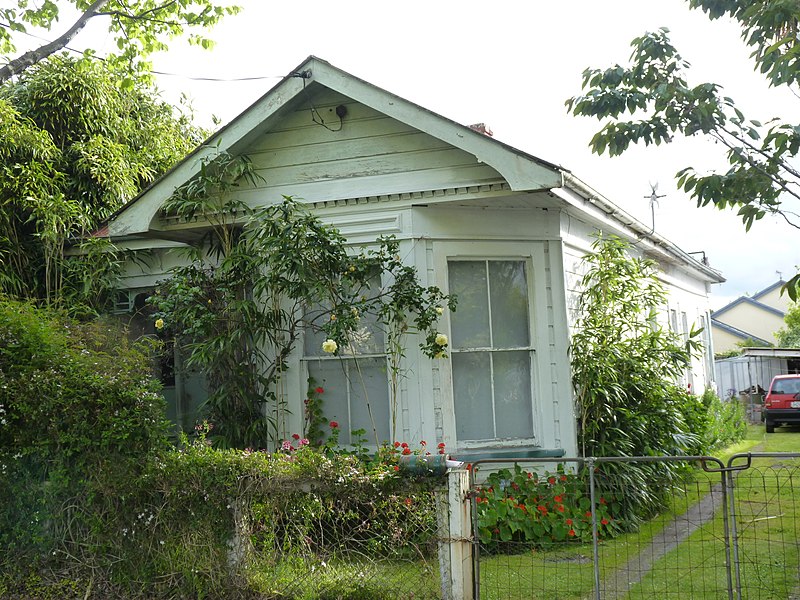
{"points": [[747, 300], [769, 289], [521, 171]]}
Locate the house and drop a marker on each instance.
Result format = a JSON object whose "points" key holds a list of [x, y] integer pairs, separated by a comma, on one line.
{"points": [[750, 319], [471, 213]]}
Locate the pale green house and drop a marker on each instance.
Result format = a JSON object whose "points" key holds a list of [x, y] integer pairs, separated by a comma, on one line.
{"points": [[473, 215]]}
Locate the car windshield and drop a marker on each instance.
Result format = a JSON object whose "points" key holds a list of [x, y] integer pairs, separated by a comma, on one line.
{"points": [[786, 386]]}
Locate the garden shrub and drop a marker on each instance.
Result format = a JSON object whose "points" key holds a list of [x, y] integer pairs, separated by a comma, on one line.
{"points": [[727, 423], [79, 418], [624, 365], [539, 510]]}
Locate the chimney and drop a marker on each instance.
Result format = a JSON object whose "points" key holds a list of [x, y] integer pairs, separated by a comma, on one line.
{"points": [[482, 128]]}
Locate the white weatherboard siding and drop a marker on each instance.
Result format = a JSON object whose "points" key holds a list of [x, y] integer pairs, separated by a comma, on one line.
{"points": [[685, 292]]}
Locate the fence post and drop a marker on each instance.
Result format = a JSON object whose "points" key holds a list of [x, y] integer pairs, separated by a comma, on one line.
{"points": [[454, 518]]}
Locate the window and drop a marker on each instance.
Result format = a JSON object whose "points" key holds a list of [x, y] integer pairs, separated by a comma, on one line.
{"points": [[355, 381], [491, 349]]}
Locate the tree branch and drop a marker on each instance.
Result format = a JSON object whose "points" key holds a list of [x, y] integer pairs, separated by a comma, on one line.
{"points": [[30, 58]]}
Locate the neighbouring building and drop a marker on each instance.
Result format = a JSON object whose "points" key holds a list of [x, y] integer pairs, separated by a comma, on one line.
{"points": [[750, 319]]}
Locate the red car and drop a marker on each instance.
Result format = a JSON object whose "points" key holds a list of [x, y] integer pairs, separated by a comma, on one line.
{"points": [[782, 403]]}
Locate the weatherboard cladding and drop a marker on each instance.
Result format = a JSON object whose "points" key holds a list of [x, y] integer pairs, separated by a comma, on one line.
{"points": [[372, 154]]}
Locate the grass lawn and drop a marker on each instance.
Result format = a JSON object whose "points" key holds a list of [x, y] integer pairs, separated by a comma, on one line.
{"points": [[643, 565]]}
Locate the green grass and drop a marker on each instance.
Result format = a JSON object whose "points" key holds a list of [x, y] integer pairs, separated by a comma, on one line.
{"points": [[768, 524]]}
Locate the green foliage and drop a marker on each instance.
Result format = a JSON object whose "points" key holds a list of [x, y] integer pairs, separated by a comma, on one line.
{"points": [[138, 30], [539, 510], [260, 278], [789, 336], [624, 369], [654, 91], [77, 407], [197, 521], [726, 421], [74, 147]]}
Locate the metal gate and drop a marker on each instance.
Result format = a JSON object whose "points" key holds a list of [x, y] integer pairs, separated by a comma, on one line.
{"points": [[558, 528]]}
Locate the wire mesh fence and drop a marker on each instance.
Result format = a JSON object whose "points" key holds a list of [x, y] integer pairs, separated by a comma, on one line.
{"points": [[582, 528], [353, 541]]}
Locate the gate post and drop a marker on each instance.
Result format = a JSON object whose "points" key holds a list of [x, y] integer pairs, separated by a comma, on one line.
{"points": [[455, 540]]}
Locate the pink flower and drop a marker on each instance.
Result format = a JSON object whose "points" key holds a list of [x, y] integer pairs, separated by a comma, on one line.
{"points": [[304, 442], [286, 445]]}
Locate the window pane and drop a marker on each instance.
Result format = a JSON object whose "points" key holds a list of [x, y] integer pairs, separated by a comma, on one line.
{"points": [[367, 339], [473, 396], [470, 322], [512, 394], [344, 401], [370, 375], [332, 376], [509, 299]]}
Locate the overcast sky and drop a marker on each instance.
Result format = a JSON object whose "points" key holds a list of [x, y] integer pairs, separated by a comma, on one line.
{"points": [[512, 65]]}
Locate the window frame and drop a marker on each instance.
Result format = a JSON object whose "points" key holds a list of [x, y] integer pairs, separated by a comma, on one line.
{"points": [[533, 259], [346, 360]]}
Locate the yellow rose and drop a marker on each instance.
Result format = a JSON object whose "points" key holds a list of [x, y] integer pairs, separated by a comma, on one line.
{"points": [[159, 323], [439, 310], [329, 346], [441, 339]]}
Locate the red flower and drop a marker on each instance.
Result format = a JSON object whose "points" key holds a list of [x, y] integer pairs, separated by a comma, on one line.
{"points": [[571, 532], [551, 480], [440, 445], [404, 445], [441, 451], [334, 424], [588, 513], [406, 451], [397, 444], [423, 443], [560, 507], [396, 468], [542, 509], [530, 475], [602, 501], [319, 390], [563, 478], [569, 521], [604, 521], [514, 486], [559, 498], [408, 501], [295, 436], [495, 530]]}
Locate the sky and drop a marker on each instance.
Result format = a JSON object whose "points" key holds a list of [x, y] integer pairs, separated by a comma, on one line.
{"points": [[511, 65]]}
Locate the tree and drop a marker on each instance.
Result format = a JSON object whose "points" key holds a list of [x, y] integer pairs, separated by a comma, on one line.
{"points": [[654, 91], [789, 336], [624, 369], [139, 28], [74, 146]]}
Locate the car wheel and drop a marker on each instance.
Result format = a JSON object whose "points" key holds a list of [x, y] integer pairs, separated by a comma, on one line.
{"points": [[770, 427]]}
